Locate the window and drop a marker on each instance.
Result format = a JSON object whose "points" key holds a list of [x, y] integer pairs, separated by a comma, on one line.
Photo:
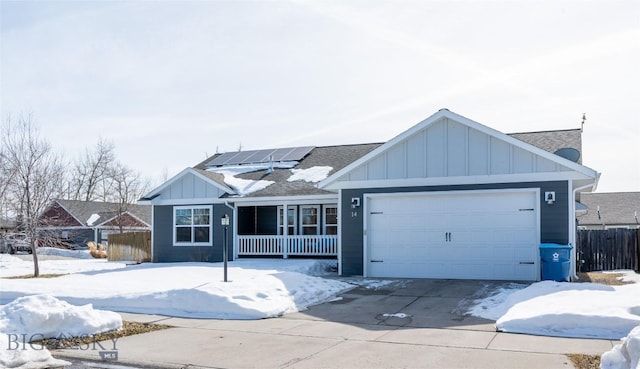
{"points": [[330, 220], [291, 220], [309, 220], [192, 225]]}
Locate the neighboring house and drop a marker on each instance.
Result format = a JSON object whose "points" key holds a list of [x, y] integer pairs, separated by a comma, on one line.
{"points": [[448, 198], [81, 221], [610, 210]]}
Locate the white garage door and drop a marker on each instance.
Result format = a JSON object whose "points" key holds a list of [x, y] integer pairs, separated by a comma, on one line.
{"points": [[462, 235]]}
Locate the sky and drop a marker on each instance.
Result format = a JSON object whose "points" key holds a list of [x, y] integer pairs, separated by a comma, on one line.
{"points": [[264, 288], [172, 82]]}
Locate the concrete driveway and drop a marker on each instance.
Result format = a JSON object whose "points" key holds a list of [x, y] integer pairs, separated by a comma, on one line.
{"points": [[410, 324]]}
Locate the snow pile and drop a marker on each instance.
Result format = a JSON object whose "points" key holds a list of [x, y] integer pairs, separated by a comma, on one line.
{"points": [[11, 266], [313, 174], [196, 290], [42, 316], [581, 310], [245, 186], [625, 355], [77, 254]]}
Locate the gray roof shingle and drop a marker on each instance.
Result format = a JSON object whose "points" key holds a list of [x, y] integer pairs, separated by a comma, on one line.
{"points": [[82, 210], [552, 141], [616, 208], [340, 156]]}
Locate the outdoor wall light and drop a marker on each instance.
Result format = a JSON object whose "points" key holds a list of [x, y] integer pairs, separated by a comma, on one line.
{"points": [[355, 202], [550, 197]]}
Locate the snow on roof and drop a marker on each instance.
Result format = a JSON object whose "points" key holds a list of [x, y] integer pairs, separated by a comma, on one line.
{"points": [[246, 186], [313, 174], [92, 219]]}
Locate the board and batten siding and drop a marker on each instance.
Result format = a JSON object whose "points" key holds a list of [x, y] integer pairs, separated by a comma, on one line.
{"points": [[165, 251], [554, 227], [190, 186], [447, 148]]}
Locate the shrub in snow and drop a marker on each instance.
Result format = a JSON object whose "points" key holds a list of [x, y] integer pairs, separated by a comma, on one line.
{"points": [[625, 355]]}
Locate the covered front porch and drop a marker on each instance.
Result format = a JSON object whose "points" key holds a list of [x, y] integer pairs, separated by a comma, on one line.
{"points": [[310, 230]]}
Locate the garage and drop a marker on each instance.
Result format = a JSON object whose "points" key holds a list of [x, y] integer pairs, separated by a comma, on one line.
{"points": [[489, 234]]}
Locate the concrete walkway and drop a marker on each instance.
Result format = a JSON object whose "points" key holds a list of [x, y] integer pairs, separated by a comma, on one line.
{"points": [[420, 324]]}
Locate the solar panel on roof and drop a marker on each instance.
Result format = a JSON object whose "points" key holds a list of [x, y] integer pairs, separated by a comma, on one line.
{"points": [[261, 156], [279, 154], [298, 153], [222, 159]]}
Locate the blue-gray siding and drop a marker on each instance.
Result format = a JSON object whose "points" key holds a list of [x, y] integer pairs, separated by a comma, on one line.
{"points": [[554, 219], [164, 251]]}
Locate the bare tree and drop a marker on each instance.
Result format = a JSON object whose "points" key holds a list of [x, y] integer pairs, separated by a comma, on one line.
{"points": [[126, 186], [90, 170], [37, 175]]}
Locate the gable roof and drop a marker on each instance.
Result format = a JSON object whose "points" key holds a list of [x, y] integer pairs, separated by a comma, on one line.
{"points": [[553, 141], [256, 180], [336, 157], [613, 208], [213, 179], [518, 159], [96, 213]]}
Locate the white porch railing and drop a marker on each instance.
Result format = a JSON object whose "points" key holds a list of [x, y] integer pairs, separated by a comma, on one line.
{"points": [[307, 245]]}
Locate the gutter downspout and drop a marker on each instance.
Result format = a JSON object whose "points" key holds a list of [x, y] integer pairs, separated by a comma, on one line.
{"points": [[573, 233]]}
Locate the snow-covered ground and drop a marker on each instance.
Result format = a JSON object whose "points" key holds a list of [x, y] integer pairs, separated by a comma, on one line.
{"points": [[33, 318], [273, 287], [583, 310]]}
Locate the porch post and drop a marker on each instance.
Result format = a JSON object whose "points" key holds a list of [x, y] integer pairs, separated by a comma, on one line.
{"points": [[285, 231]]}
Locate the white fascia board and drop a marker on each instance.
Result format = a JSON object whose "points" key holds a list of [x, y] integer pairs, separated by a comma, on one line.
{"points": [[462, 180], [290, 200], [444, 113], [194, 201], [175, 178], [250, 201]]}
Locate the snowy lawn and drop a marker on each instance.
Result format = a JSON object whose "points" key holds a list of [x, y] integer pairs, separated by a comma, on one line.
{"points": [[256, 288], [269, 288], [582, 310]]}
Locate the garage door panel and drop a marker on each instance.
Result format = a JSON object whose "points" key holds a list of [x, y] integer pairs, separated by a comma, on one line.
{"points": [[472, 235]]}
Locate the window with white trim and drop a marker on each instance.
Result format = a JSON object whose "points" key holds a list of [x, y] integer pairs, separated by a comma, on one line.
{"points": [[330, 220], [192, 225], [291, 220], [309, 220]]}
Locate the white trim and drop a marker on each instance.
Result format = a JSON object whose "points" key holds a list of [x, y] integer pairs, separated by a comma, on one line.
{"points": [[175, 178], [324, 218], [192, 226], [285, 217], [446, 114], [254, 201], [194, 201], [340, 233], [367, 196], [152, 232], [301, 223], [461, 180], [292, 200]]}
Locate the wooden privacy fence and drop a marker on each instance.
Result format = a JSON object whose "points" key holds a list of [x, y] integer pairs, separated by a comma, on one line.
{"points": [[132, 246], [608, 249]]}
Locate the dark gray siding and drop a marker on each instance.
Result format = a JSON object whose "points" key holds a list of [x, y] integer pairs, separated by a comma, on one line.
{"points": [[554, 219], [164, 251]]}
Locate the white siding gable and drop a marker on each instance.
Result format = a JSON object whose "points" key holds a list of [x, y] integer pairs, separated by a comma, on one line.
{"points": [[189, 186], [446, 147]]}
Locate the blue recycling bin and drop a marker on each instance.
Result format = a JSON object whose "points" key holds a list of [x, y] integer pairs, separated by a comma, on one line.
{"points": [[556, 261]]}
